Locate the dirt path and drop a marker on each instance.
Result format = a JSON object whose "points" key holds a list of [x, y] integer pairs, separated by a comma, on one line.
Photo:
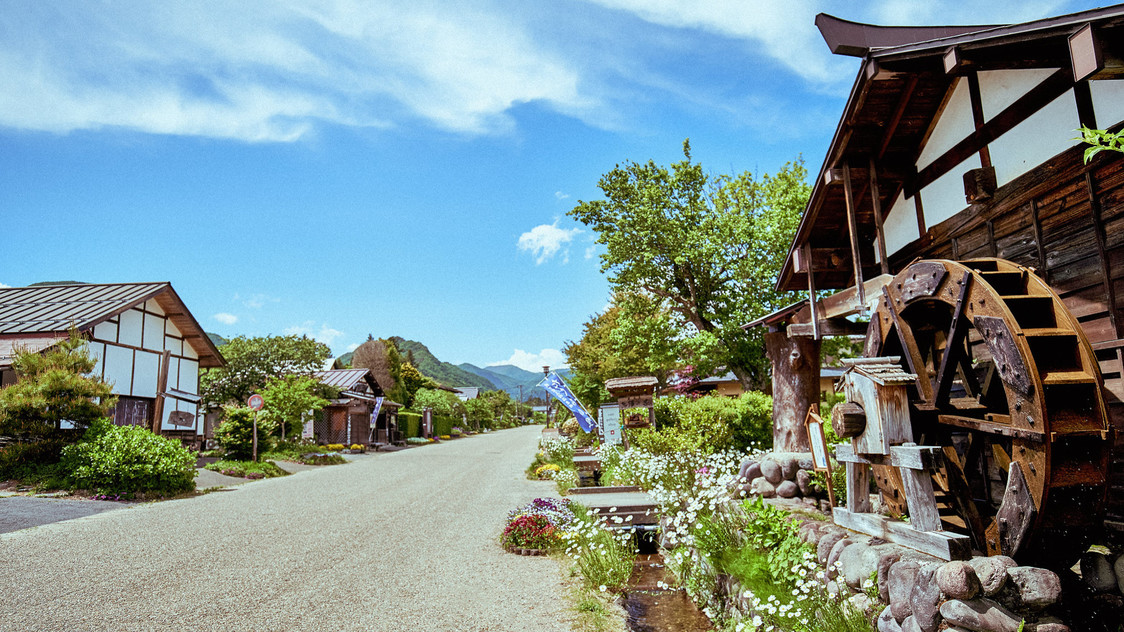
{"points": [[404, 541]]}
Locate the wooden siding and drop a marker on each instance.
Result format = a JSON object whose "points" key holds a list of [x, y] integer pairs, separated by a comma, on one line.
{"points": [[1066, 220]]}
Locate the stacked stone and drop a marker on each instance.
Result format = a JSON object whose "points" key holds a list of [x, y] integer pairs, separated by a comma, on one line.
{"points": [[781, 475], [984, 594]]}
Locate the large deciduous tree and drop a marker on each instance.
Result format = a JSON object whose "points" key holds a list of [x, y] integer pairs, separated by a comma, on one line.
{"points": [[709, 246], [251, 362], [288, 398]]}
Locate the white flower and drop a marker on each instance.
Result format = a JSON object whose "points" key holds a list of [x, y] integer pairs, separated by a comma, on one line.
{"points": [[602, 588]]}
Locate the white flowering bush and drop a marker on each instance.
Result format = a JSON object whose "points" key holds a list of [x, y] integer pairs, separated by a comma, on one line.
{"points": [[602, 556]]}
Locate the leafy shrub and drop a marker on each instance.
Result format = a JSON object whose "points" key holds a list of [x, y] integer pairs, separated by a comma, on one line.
{"points": [[603, 558], [710, 424], [236, 433], [31, 460], [570, 427], [322, 459], [417, 441], [128, 459], [249, 469]]}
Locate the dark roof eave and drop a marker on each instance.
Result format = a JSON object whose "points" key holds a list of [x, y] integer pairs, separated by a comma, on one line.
{"points": [[856, 39]]}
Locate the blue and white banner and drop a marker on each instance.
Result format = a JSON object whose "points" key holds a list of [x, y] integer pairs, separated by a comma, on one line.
{"points": [[375, 414], [556, 387]]}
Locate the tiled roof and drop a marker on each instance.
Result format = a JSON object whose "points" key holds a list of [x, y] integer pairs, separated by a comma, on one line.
{"points": [[8, 346], [53, 308]]}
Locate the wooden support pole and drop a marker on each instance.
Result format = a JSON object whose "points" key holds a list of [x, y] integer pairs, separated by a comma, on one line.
{"points": [[853, 231], [161, 389], [876, 205], [812, 291], [978, 115], [1102, 250], [858, 487], [954, 342], [920, 210]]}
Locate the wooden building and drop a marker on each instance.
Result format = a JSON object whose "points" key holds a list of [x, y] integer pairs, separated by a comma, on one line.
{"points": [[148, 346], [959, 143], [347, 419]]}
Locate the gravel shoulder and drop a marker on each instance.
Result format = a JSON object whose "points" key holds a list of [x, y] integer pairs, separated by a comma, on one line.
{"points": [[401, 541]]}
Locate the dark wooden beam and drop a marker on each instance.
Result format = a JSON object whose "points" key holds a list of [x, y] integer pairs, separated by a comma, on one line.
{"points": [[1037, 98], [896, 118], [978, 114], [876, 206], [920, 210], [853, 231], [1083, 98], [1102, 250], [826, 327], [812, 291], [954, 343]]}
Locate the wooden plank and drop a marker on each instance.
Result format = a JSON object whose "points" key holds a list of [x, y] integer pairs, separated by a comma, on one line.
{"points": [[853, 231], [846, 302], [876, 206], [916, 457], [940, 544], [830, 327], [858, 487], [923, 514]]}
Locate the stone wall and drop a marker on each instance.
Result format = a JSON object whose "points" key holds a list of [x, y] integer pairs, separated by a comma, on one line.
{"points": [[919, 593]]}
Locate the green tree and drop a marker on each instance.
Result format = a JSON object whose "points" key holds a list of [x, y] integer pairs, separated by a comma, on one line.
{"points": [[409, 381], [236, 433], [442, 402], [251, 362], [710, 246], [54, 386], [289, 398]]}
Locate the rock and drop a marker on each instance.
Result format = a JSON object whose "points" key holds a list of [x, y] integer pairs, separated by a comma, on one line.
{"points": [[860, 603], [833, 558], [887, 622], [855, 568], [1051, 626], [925, 598], [888, 555], [763, 488], [910, 625], [810, 531], [1118, 568], [1096, 571], [825, 506], [789, 467], [902, 577], [804, 461], [827, 541], [743, 471], [771, 470], [992, 572], [957, 580], [804, 482], [980, 614], [787, 489], [1037, 587]]}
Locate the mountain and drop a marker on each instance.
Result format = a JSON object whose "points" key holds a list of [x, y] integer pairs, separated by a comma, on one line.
{"points": [[444, 372], [216, 339], [508, 378]]}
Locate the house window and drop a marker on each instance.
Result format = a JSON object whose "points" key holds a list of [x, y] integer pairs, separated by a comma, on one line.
{"points": [[133, 411]]}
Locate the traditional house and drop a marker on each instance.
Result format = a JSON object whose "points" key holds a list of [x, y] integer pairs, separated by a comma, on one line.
{"points": [[959, 144], [148, 346], [347, 420]]}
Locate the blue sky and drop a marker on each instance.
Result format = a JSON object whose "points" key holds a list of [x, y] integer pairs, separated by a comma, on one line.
{"points": [[342, 168]]}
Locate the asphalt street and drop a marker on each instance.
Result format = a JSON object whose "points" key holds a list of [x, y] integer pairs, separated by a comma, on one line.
{"points": [[402, 541]]}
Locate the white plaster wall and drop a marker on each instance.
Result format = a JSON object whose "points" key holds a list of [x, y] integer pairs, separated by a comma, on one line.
{"points": [[174, 373], [1108, 102], [954, 124], [189, 352], [152, 306], [189, 376], [900, 225], [106, 331], [944, 197], [1044, 134], [175, 345], [97, 351], [153, 332], [130, 328], [119, 369], [146, 368]]}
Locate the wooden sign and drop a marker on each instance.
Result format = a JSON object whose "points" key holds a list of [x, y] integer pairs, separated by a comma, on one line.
{"points": [[181, 418], [821, 459], [635, 401]]}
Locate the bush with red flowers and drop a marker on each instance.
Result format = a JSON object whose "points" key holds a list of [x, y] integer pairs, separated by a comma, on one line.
{"points": [[530, 532]]}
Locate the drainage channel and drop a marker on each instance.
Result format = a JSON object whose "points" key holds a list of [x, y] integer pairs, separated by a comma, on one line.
{"points": [[652, 608]]}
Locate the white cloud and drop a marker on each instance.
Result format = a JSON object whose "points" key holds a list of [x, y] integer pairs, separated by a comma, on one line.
{"points": [[323, 332], [590, 252], [2, 285], [553, 358], [547, 240], [256, 301], [558, 195], [225, 318], [351, 347], [270, 71]]}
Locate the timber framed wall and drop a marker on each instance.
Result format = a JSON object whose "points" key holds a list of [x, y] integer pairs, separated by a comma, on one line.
{"points": [[1065, 219]]}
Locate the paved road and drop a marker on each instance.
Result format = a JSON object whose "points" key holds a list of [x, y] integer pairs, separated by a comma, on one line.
{"points": [[405, 541]]}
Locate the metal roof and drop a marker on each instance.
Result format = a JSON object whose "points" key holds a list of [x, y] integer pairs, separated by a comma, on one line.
{"points": [[54, 309], [344, 379]]}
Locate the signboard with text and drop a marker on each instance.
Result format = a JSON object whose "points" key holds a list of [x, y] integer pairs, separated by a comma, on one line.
{"points": [[610, 423]]}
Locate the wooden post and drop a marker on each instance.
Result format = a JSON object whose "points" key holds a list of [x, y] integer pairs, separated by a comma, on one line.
{"points": [[255, 456], [853, 231], [876, 204], [796, 387], [807, 249], [161, 389]]}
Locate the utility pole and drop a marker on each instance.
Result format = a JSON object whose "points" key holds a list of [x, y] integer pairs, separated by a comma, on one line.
{"points": [[521, 401]]}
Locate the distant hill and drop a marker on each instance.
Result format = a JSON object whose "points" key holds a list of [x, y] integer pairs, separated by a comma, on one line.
{"points": [[508, 377], [216, 339], [444, 372], [42, 283]]}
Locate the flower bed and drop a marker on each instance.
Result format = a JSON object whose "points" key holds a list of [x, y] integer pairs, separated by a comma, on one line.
{"points": [[537, 526]]}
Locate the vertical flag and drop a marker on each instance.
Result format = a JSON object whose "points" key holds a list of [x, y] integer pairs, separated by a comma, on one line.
{"points": [[556, 387], [375, 414]]}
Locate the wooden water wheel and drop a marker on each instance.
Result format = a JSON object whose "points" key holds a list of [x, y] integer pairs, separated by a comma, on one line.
{"points": [[1010, 388]]}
